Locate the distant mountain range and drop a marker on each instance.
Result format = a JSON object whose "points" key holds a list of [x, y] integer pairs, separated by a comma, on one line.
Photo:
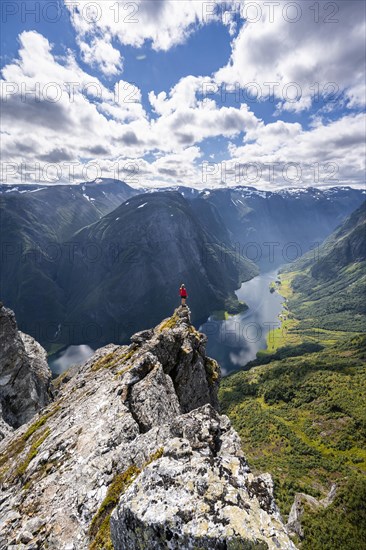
{"points": [[94, 262], [74, 276], [268, 227], [274, 228], [96, 197]]}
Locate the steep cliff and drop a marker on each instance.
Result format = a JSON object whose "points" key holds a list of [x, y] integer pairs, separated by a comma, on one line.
{"points": [[133, 454], [25, 378]]}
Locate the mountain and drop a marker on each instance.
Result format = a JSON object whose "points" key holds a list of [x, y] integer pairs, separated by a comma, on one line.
{"points": [[344, 248], [106, 193], [103, 194], [143, 251], [329, 283], [133, 454], [25, 379], [187, 192], [274, 228], [36, 227], [40, 231], [33, 231]]}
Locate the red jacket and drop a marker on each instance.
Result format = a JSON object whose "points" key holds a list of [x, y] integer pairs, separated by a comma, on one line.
{"points": [[183, 293]]}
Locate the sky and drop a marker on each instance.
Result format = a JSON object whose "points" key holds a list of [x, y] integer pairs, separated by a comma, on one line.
{"points": [[266, 94]]}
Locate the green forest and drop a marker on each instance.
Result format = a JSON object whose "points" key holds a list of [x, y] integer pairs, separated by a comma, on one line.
{"points": [[300, 408]]}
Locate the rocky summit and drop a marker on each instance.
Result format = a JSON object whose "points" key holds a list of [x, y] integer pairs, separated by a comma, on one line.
{"points": [[132, 454]]}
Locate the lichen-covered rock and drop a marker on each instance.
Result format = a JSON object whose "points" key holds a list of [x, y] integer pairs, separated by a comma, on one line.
{"points": [[135, 421], [199, 494], [25, 378]]}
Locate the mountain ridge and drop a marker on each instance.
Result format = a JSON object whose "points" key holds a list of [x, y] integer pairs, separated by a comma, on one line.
{"points": [[38, 243], [150, 244], [136, 421], [329, 284]]}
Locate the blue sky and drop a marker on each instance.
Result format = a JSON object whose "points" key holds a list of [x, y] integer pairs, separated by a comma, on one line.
{"points": [[166, 58]]}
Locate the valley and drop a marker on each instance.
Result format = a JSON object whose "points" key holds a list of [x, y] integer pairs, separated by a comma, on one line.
{"points": [[235, 340], [183, 275], [98, 261], [299, 408]]}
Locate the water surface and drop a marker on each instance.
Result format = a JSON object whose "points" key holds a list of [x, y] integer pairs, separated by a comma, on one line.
{"points": [[235, 341], [72, 355]]}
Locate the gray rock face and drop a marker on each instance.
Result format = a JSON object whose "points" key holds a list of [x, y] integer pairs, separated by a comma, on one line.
{"points": [[199, 494], [5, 429], [25, 378], [136, 430], [301, 500]]}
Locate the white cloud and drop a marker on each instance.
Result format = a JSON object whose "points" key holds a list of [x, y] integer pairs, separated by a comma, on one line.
{"points": [[165, 23], [314, 51], [328, 154], [109, 126], [183, 94], [186, 118], [62, 107], [90, 122], [101, 54]]}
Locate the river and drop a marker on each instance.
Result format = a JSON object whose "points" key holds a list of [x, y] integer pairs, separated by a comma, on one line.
{"points": [[235, 341]]}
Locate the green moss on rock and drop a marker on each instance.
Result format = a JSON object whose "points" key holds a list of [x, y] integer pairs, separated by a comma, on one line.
{"points": [[169, 323], [17, 445], [99, 530], [212, 369], [105, 362], [32, 453], [113, 359]]}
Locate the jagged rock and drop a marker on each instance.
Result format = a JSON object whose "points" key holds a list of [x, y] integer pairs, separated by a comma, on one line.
{"points": [[199, 494], [154, 400], [5, 429], [138, 420], [142, 336], [25, 378], [297, 509]]}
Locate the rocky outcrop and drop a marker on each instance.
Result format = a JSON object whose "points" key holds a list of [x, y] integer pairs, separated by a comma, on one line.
{"points": [[303, 500], [5, 429], [25, 378], [133, 454], [199, 494]]}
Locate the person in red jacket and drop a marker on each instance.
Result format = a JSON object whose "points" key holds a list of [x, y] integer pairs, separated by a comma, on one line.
{"points": [[183, 294]]}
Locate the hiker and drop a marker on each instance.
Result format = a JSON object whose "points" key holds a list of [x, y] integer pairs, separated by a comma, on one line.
{"points": [[183, 294]]}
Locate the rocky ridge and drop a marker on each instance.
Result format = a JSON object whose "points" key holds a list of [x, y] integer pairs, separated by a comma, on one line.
{"points": [[133, 454]]}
